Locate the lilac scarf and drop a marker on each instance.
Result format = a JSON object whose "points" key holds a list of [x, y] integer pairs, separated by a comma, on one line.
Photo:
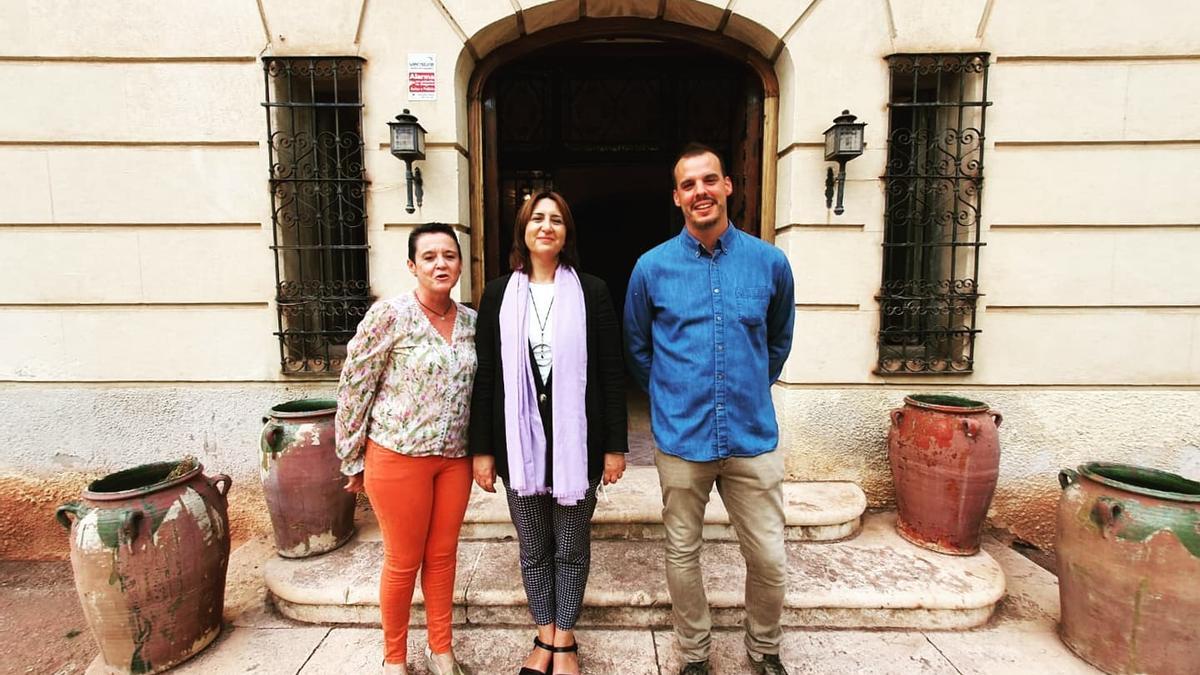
{"points": [[568, 382]]}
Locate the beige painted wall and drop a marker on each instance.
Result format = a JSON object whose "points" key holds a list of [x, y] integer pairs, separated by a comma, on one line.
{"points": [[135, 219]]}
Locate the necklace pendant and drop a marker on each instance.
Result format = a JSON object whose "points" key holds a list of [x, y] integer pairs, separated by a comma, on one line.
{"points": [[542, 355]]}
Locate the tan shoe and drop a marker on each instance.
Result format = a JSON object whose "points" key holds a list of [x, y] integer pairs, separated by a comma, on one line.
{"points": [[435, 669]]}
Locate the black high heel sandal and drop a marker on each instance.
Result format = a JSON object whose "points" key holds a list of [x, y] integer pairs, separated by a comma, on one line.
{"points": [[573, 647], [538, 644]]}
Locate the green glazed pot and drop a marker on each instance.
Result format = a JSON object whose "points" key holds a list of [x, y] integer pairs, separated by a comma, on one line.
{"points": [[1129, 568]]}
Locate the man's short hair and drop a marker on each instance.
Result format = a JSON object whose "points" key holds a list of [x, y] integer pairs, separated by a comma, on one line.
{"points": [[694, 149]]}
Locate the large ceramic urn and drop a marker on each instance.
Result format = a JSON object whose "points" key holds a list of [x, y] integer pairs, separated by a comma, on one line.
{"points": [[311, 512], [1128, 545], [149, 549], [944, 453]]}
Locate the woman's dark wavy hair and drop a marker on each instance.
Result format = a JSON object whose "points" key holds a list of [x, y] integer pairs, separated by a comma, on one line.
{"points": [[431, 228], [518, 258]]}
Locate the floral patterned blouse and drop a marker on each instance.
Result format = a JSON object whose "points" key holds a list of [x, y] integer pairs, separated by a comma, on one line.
{"points": [[404, 386]]}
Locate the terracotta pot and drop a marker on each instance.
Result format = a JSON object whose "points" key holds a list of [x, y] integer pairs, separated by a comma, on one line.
{"points": [[149, 548], [944, 452], [311, 512], [1128, 545]]}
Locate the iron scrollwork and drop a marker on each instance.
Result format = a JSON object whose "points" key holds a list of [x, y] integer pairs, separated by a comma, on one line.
{"points": [[933, 186], [318, 207]]}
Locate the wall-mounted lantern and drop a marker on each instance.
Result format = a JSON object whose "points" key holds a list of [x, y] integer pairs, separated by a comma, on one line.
{"points": [[408, 145], [843, 142]]}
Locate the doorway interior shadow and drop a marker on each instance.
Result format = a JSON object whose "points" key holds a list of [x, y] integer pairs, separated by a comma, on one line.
{"points": [[601, 120]]}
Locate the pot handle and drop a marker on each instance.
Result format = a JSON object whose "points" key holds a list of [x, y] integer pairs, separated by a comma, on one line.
{"points": [[997, 418], [271, 434], [970, 427], [221, 483], [1107, 512], [896, 416], [1067, 478], [72, 508], [129, 526]]}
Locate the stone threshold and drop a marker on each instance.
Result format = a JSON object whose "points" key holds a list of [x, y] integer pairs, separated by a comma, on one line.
{"points": [[876, 580], [632, 510]]}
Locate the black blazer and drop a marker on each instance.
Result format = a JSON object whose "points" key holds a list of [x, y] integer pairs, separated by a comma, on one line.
{"points": [[604, 400]]}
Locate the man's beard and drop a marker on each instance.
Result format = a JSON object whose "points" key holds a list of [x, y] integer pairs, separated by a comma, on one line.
{"points": [[704, 225]]}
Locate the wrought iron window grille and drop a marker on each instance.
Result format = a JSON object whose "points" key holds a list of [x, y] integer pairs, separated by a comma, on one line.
{"points": [[318, 207], [932, 184]]}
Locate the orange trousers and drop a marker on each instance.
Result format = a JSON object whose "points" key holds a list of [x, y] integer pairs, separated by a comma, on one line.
{"points": [[420, 503]]}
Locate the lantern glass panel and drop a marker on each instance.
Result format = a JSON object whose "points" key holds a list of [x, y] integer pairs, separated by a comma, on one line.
{"points": [[830, 143], [403, 138], [850, 140], [420, 140]]}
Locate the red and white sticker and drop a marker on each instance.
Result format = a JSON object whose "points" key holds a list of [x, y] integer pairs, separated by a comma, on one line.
{"points": [[422, 77]]}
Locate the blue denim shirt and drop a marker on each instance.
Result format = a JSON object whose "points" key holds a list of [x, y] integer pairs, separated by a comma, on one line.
{"points": [[706, 335]]}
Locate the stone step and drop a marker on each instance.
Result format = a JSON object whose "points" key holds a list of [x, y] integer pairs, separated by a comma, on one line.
{"points": [[632, 510], [876, 580]]}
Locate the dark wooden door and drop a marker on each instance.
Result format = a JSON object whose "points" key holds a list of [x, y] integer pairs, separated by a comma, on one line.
{"points": [[601, 123]]}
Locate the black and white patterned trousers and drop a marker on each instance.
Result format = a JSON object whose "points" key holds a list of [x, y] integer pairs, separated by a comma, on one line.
{"points": [[556, 554]]}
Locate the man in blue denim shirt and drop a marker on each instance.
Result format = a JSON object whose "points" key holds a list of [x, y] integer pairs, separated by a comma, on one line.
{"points": [[708, 326]]}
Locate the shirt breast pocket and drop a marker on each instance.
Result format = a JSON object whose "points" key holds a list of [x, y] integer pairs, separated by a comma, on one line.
{"points": [[752, 304]]}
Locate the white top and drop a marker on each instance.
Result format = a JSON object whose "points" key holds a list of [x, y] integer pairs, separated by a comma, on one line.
{"points": [[541, 326]]}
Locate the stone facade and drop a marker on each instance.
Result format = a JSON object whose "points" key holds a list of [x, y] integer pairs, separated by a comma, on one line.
{"points": [[136, 283]]}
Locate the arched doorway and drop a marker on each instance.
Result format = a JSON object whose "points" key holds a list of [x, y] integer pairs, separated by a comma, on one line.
{"points": [[601, 121], [559, 108], [598, 110]]}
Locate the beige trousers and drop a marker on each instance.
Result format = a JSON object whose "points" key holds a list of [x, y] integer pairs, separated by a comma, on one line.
{"points": [[752, 490]]}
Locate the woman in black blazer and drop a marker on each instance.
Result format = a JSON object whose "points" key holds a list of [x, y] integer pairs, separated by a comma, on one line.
{"points": [[548, 416]]}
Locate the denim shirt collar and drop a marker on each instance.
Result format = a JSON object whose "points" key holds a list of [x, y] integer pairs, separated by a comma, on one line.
{"points": [[724, 242]]}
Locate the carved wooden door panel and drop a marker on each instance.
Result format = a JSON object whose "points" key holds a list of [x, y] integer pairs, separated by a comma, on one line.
{"points": [[746, 161]]}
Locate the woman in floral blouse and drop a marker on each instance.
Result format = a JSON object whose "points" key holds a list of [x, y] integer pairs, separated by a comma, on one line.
{"points": [[403, 404]]}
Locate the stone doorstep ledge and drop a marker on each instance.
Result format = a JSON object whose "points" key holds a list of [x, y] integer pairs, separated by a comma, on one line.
{"points": [[659, 617], [632, 509], [876, 580]]}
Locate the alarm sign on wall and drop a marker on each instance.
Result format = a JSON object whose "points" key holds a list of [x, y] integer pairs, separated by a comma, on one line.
{"points": [[422, 77]]}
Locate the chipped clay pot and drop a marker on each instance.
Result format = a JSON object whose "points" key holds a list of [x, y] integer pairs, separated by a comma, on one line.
{"points": [[311, 513], [944, 452], [1128, 545], [150, 548]]}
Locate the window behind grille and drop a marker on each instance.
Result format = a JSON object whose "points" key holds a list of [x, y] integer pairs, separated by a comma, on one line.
{"points": [[314, 121], [931, 243]]}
